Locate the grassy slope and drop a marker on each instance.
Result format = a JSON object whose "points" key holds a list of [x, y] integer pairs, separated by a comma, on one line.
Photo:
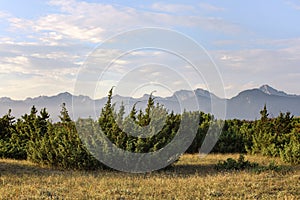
{"points": [[191, 178]]}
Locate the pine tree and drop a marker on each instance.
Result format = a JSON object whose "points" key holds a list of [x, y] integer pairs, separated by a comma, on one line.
{"points": [[6, 123], [64, 115], [133, 111], [7, 129], [120, 115], [36, 146], [264, 114]]}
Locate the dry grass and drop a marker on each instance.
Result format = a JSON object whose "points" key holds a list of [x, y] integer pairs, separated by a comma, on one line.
{"points": [[191, 178]]}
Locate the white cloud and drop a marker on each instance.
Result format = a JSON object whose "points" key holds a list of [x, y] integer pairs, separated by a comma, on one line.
{"points": [[37, 68], [68, 26], [17, 24], [172, 8], [57, 44], [66, 5], [231, 58], [255, 60], [28, 87], [210, 7], [292, 4], [18, 60], [179, 82], [120, 62], [51, 38], [201, 85], [93, 22], [248, 68], [4, 14]]}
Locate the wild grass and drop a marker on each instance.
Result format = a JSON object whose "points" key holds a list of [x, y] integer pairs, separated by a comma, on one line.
{"points": [[190, 178]]}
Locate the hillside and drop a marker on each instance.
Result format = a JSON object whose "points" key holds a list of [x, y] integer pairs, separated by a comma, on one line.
{"points": [[246, 105]]}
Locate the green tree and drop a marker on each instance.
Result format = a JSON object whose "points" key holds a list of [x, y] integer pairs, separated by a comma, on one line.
{"points": [[7, 129], [64, 114], [106, 119], [271, 134], [291, 151]]}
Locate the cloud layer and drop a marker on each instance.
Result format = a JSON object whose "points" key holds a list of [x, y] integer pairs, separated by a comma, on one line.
{"points": [[42, 55]]}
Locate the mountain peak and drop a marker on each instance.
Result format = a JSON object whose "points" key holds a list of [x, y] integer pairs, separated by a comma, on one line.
{"points": [[65, 94], [203, 93], [271, 91], [5, 99], [246, 105]]}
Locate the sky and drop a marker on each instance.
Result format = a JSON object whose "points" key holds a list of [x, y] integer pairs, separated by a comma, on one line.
{"points": [[46, 46]]}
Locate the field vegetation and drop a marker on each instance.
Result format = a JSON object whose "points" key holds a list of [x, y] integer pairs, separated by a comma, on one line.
{"points": [[190, 178], [41, 159]]}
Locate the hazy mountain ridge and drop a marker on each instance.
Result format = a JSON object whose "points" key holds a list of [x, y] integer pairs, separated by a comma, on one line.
{"points": [[246, 105]]}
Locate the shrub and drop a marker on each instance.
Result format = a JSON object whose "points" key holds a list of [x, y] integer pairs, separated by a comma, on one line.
{"points": [[291, 150], [242, 164], [232, 164]]}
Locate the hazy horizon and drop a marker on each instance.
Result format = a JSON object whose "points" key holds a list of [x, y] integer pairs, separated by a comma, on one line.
{"points": [[155, 93]]}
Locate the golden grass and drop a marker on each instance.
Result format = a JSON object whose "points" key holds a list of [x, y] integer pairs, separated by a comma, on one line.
{"points": [[191, 178]]}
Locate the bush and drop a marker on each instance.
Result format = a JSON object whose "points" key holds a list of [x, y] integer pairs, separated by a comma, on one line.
{"points": [[231, 139], [242, 164], [291, 150], [232, 164], [61, 147], [35, 137]]}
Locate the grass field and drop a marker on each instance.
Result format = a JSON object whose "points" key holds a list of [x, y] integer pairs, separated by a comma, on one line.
{"points": [[190, 178]]}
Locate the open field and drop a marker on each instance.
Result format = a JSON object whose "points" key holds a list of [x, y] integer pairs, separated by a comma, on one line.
{"points": [[190, 178]]}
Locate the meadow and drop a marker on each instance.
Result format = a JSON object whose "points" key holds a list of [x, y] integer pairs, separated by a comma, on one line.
{"points": [[42, 159], [191, 177]]}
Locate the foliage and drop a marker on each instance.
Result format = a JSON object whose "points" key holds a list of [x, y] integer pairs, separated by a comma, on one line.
{"points": [[60, 146], [7, 130], [232, 164], [139, 132], [291, 151], [231, 139], [276, 137], [271, 135], [242, 164], [190, 178], [35, 137]]}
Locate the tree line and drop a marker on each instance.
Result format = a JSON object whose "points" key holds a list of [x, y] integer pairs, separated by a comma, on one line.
{"points": [[36, 138]]}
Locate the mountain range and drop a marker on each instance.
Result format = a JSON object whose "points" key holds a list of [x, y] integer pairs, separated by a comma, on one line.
{"points": [[246, 105]]}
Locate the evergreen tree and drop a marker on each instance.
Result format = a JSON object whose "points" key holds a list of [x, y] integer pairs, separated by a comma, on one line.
{"points": [[6, 124], [264, 114], [106, 119], [64, 115], [7, 129]]}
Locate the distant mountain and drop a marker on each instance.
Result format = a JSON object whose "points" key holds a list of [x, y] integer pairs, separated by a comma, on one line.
{"points": [[246, 105], [271, 91]]}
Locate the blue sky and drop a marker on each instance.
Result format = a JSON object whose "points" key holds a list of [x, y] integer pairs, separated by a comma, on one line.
{"points": [[43, 44]]}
